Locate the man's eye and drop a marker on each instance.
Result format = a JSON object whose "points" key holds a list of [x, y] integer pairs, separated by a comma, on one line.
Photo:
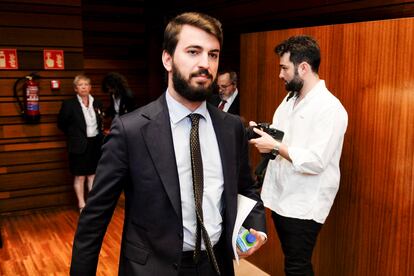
{"points": [[213, 55], [193, 52]]}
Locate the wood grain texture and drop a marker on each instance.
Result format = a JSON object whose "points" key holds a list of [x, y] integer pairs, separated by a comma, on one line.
{"points": [[370, 228], [114, 40], [33, 158], [41, 243]]}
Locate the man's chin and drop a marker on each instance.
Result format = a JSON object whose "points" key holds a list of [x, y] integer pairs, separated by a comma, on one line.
{"points": [[201, 85]]}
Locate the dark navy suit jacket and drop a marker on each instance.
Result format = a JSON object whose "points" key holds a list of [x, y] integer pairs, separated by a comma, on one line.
{"points": [[138, 158]]}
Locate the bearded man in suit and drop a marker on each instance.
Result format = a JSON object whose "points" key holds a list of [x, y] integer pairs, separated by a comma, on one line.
{"points": [[147, 155]]}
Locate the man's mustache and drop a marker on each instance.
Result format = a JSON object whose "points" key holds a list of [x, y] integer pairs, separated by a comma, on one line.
{"points": [[200, 73]]}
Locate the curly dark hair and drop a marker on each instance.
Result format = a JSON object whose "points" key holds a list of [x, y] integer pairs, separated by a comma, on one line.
{"points": [[301, 48], [117, 83]]}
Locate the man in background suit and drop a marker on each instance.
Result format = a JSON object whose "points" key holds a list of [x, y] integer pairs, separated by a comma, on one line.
{"points": [[228, 98], [147, 155]]}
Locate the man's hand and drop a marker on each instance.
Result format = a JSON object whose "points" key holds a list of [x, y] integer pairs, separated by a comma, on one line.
{"points": [[252, 123], [260, 240], [265, 143]]}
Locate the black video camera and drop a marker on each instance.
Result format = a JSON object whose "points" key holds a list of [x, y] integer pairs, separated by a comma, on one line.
{"points": [[275, 133]]}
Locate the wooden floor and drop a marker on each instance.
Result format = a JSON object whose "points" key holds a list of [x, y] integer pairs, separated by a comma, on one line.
{"points": [[40, 243]]}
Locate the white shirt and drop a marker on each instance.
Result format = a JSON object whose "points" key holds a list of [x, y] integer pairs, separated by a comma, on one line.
{"points": [[212, 172], [314, 133], [90, 117], [117, 102], [229, 101]]}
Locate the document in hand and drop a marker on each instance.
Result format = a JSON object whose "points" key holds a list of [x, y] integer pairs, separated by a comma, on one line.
{"points": [[244, 206]]}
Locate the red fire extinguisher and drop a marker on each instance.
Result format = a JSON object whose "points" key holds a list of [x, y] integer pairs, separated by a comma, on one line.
{"points": [[29, 107]]}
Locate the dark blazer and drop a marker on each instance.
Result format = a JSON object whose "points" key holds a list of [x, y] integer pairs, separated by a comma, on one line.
{"points": [[139, 158], [72, 122], [234, 107]]}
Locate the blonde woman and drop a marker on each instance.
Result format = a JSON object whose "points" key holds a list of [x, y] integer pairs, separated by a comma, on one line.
{"points": [[80, 119]]}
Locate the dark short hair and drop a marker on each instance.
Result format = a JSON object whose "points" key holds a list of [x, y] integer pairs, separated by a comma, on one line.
{"points": [[302, 48], [205, 22]]}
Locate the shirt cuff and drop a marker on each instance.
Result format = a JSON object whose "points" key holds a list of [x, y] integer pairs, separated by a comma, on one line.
{"points": [[263, 234]]}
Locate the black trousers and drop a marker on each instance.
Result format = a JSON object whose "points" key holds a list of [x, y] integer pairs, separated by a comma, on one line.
{"points": [[298, 238], [204, 267]]}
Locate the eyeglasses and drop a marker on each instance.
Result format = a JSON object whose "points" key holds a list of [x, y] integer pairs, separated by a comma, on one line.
{"points": [[225, 86]]}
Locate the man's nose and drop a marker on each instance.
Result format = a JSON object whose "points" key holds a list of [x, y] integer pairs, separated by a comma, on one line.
{"points": [[204, 61]]}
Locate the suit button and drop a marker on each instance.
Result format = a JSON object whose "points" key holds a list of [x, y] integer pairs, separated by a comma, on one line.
{"points": [[175, 265]]}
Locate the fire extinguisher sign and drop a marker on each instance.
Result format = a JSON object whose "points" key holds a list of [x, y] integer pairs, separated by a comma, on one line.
{"points": [[8, 59], [53, 59]]}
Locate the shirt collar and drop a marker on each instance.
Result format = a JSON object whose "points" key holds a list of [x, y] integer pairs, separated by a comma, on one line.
{"points": [[178, 111], [314, 91], [90, 100], [233, 96]]}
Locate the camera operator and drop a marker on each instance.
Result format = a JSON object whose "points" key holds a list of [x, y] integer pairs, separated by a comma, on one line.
{"points": [[301, 183]]}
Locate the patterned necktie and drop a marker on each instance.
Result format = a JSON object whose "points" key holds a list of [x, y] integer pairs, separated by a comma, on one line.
{"points": [[222, 104], [197, 172]]}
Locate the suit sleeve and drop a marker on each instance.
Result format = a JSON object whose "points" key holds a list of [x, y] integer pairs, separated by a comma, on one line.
{"points": [[63, 117], [257, 217], [108, 185]]}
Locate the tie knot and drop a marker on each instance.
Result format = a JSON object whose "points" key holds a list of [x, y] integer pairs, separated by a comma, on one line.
{"points": [[195, 118]]}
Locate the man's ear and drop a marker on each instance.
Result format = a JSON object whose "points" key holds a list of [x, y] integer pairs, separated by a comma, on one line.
{"points": [[167, 61], [304, 68]]}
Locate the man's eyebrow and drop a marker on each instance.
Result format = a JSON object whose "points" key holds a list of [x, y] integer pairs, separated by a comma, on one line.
{"points": [[194, 46], [200, 48]]}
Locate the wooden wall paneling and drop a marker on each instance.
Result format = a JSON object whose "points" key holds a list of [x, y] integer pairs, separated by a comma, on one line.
{"points": [[32, 130], [46, 8], [30, 139], [32, 202], [34, 179], [45, 37], [36, 20], [66, 87], [74, 3], [33, 146], [58, 164], [365, 65], [114, 41], [33, 158]]}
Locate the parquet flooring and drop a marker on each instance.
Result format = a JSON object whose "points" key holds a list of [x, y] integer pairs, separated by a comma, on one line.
{"points": [[40, 243]]}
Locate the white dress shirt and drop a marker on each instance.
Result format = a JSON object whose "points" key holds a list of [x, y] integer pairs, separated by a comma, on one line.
{"points": [[229, 101], [314, 134], [90, 117], [212, 171], [117, 102]]}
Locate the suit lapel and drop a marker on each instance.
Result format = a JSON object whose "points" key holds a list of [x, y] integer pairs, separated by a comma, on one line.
{"points": [[226, 141], [158, 138]]}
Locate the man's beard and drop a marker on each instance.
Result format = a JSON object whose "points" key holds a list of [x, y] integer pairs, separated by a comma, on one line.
{"points": [[191, 93], [295, 85]]}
